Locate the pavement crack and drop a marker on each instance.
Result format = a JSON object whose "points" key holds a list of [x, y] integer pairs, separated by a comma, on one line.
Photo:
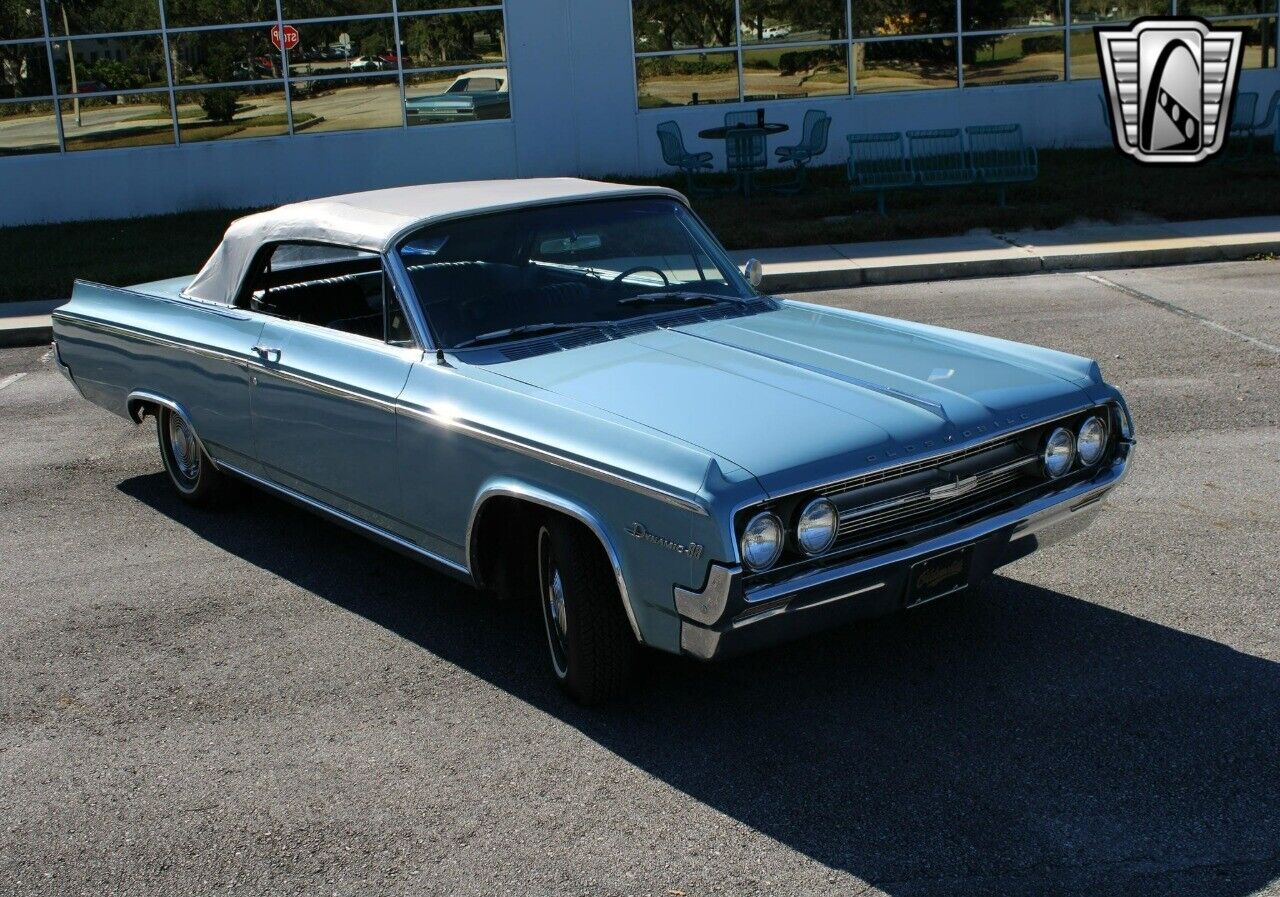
{"points": [[1182, 312]]}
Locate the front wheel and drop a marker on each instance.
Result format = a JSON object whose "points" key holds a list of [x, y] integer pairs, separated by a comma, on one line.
{"points": [[190, 471], [592, 648]]}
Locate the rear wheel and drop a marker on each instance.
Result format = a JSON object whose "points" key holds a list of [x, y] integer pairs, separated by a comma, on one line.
{"points": [[190, 471], [591, 645]]}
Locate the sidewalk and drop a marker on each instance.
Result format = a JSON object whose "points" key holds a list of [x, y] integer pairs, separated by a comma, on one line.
{"points": [[1024, 252], [902, 261]]}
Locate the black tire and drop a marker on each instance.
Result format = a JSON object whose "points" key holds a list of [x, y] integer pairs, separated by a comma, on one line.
{"points": [[589, 639], [190, 471]]}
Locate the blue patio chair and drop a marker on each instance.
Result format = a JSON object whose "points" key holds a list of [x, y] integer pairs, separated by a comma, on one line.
{"points": [[745, 119], [1244, 109], [675, 155], [1272, 117], [877, 163], [813, 143], [745, 154], [999, 156]]}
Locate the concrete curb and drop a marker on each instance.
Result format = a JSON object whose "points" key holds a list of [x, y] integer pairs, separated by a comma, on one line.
{"points": [[27, 323]]}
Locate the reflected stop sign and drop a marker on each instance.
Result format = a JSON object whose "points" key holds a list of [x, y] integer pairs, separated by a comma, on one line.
{"points": [[286, 41]]}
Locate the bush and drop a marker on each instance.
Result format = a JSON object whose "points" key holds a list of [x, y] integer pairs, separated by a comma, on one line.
{"points": [[219, 105], [806, 60]]}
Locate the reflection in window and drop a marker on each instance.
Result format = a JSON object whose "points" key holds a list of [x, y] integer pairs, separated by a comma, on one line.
{"points": [[1083, 11], [27, 128], [231, 112], [101, 18], [24, 71], [687, 79], [905, 65], [775, 21], [347, 104], [89, 65], [662, 25], [989, 15], [442, 97], [1259, 42], [116, 122], [318, 9], [903, 17], [1019, 58], [189, 13], [795, 72], [1210, 8], [434, 41], [422, 5], [213, 57], [20, 20], [363, 46], [1084, 54]]}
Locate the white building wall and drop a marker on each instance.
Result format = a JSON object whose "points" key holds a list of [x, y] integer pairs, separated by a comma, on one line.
{"points": [[573, 112]]}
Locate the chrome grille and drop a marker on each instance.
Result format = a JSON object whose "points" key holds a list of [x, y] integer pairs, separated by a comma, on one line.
{"points": [[892, 473], [859, 524]]}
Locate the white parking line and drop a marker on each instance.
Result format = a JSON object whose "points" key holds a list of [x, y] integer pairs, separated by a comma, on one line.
{"points": [[10, 380]]}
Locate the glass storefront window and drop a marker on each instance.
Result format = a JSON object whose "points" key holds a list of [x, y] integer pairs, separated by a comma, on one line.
{"points": [[436, 41], [902, 17], [360, 46], [20, 20], [1259, 41], [1211, 8], [991, 15], [1087, 11], [212, 57], [24, 71], [27, 128], [1084, 55], [794, 72], [428, 5], [346, 104], [435, 98], [687, 79], [88, 65], [662, 25], [318, 9], [768, 21], [231, 113], [1017, 58], [885, 66], [110, 17], [105, 122], [192, 13]]}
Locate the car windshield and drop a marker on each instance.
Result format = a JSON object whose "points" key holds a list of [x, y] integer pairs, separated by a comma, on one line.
{"points": [[513, 274]]}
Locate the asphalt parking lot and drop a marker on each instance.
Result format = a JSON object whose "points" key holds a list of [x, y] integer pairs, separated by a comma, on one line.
{"points": [[253, 701]]}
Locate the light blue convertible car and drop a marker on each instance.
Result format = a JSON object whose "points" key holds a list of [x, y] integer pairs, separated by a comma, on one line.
{"points": [[564, 389]]}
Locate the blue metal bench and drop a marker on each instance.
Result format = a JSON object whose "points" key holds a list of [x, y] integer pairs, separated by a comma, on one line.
{"points": [[938, 158], [878, 162], [1244, 111], [999, 156]]}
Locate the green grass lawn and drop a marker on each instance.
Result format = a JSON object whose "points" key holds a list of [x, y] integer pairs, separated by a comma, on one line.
{"points": [[41, 261]]}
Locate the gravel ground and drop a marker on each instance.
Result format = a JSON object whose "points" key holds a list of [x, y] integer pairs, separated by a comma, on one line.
{"points": [[256, 702]]}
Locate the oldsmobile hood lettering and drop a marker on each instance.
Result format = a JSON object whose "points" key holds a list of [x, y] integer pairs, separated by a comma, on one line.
{"points": [[799, 393]]}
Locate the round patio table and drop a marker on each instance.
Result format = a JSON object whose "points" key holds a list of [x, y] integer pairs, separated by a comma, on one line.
{"points": [[770, 128]]}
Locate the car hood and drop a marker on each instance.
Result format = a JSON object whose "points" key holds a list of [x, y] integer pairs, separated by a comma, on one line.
{"points": [[803, 394]]}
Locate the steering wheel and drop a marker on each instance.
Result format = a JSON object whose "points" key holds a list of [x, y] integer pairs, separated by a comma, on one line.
{"points": [[617, 281]]}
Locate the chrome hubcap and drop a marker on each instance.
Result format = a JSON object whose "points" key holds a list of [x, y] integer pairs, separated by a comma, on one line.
{"points": [[554, 613], [183, 448], [555, 606]]}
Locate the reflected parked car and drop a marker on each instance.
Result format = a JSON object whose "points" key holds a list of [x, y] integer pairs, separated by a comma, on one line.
{"points": [[475, 95], [367, 64]]}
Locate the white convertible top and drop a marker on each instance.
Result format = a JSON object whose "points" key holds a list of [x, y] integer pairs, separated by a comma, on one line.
{"points": [[374, 220]]}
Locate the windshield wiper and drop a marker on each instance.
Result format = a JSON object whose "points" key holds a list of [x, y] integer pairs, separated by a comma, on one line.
{"points": [[679, 297], [527, 330]]}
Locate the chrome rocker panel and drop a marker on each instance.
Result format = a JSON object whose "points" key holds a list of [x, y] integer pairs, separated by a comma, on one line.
{"points": [[722, 620]]}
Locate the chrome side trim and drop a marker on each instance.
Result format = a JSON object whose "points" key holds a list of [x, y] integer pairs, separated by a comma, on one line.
{"points": [[149, 337], [485, 434], [525, 492], [364, 527], [139, 397], [326, 387]]}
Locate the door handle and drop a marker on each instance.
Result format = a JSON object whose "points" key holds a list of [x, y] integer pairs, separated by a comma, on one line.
{"points": [[266, 353]]}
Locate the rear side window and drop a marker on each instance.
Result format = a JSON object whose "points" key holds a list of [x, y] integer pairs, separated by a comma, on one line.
{"points": [[335, 287]]}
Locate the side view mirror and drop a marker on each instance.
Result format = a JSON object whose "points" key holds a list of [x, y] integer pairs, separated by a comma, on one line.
{"points": [[754, 272]]}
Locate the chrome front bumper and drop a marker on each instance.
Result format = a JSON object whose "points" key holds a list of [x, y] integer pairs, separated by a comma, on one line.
{"points": [[723, 618]]}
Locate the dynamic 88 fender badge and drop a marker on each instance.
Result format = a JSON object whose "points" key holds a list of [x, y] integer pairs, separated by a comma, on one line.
{"points": [[1170, 82]]}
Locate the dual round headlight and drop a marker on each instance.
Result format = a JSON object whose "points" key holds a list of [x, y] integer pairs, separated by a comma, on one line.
{"points": [[764, 536], [1063, 447]]}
